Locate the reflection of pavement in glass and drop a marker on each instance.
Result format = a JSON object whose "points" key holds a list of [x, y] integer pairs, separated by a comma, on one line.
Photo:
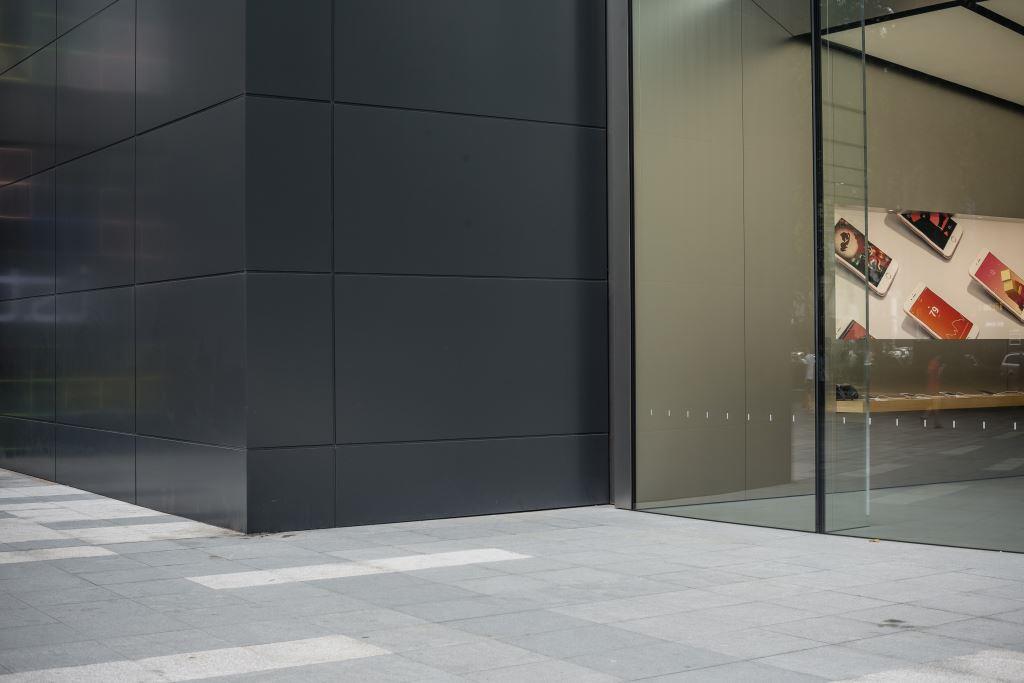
{"points": [[987, 513], [928, 484]]}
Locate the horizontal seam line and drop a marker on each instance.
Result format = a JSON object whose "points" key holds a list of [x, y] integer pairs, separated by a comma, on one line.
{"points": [[497, 117]]}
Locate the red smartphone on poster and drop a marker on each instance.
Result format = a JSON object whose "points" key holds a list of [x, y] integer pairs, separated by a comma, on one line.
{"points": [[937, 316], [853, 331], [1000, 281]]}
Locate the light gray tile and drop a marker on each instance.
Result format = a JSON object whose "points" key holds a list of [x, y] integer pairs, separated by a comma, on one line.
{"points": [[381, 669], [418, 637], [45, 634], [828, 602], [643, 606], [983, 630], [473, 656], [737, 671], [518, 623], [752, 643], [55, 656], [655, 659], [834, 629], [913, 646], [548, 671], [970, 604], [680, 627], [271, 631], [833, 662], [114, 576], [112, 618], [15, 617], [361, 622], [753, 614], [904, 616], [466, 608], [167, 643], [86, 593], [585, 640]]}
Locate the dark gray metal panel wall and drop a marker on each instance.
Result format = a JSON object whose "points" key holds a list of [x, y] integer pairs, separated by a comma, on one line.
{"points": [[71, 13], [95, 220], [96, 460], [530, 59], [277, 197], [96, 83], [95, 359], [27, 446], [191, 480], [26, 237], [452, 478], [27, 358], [469, 358], [73, 363], [478, 195], [288, 48], [25, 26], [290, 488], [28, 115], [289, 380], [288, 185], [191, 55], [190, 191], [470, 260], [190, 374]]}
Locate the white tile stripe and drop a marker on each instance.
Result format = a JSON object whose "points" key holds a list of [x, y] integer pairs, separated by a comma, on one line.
{"points": [[131, 533], [34, 491], [43, 554], [190, 666], [340, 570]]}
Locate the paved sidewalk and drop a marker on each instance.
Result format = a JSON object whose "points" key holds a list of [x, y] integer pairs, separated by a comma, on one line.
{"points": [[95, 589]]}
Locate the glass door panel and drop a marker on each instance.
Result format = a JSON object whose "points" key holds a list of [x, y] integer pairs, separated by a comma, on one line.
{"points": [[853, 271]]}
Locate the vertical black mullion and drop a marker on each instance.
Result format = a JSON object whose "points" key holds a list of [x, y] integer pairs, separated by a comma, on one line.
{"points": [[819, 269], [619, 169], [334, 294]]}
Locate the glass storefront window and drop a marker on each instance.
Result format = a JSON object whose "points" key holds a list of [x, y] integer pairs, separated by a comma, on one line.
{"points": [[894, 144], [724, 268]]}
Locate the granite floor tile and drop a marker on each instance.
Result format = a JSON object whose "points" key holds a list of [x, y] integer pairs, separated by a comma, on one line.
{"points": [[836, 629], [654, 659], [833, 662], [59, 655], [914, 646], [547, 671], [479, 655], [585, 640], [737, 671]]}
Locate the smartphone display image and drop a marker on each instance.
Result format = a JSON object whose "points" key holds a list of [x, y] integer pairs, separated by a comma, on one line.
{"points": [[938, 230], [860, 256], [1000, 281], [854, 331], [938, 318]]}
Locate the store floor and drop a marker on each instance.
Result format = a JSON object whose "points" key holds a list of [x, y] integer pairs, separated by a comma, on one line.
{"points": [[95, 589]]}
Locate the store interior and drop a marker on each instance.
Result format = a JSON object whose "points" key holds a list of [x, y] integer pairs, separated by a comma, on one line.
{"points": [[922, 128]]}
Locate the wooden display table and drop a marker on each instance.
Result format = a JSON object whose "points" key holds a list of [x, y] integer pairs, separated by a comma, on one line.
{"points": [[920, 402]]}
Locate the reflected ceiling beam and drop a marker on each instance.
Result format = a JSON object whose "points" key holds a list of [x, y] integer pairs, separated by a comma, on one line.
{"points": [[971, 45]]}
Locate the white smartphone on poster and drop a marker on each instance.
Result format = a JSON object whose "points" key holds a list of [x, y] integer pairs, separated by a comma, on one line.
{"points": [[938, 230], [1000, 281], [937, 316], [863, 258]]}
